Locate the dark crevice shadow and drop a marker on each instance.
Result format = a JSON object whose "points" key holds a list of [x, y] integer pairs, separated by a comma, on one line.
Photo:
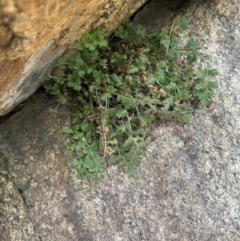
{"points": [[39, 93]]}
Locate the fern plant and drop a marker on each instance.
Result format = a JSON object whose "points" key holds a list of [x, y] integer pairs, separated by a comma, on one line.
{"points": [[116, 88]]}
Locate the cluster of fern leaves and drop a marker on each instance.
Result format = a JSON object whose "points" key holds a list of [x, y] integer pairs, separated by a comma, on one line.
{"points": [[116, 88]]}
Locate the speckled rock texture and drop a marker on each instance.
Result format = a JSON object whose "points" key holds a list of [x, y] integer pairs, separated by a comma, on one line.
{"points": [[189, 178], [34, 33]]}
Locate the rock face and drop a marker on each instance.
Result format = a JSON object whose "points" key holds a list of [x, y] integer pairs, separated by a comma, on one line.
{"points": [[34, 33], [189, 178]]}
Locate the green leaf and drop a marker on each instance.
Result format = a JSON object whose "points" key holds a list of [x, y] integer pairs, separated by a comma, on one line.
{"points": [[212, 85], [80, 145], [140, 30], [103, 43], [132, 171], [127, 102], [70, 84], [168, 115], [182, 95], [147, 119], [171, 86], [77, 163], [62, 100], [81, 73], [159, 76], [92, 88], [150, 80], [165, 39], [205, 97], [87, 162], [133, 69], [188, 74], [103, 62], [115, 159], [168, 103], [183, 117], [192, 57], [114, 57], [212, 72], [140, 132], [96, 73], [75, 127], [141, 63], [124, 127], [89, 69], [85, 127], [192, 44], [161, 65], [89, 46], [92, 167], [78, 44], [200, 86], [111, 112], [121, 113], [179, 95], [111, 89], [69, 146], [182, 23], [68, 130], [99, 161], [87, 110], [193, 52], [173, 54], [202, 74], [94, 145], [78, 136], [106, 96], [174, 44], [77, 87], [117, 79], [128, 141], [77, 59], [61, 62], [172, 67]]}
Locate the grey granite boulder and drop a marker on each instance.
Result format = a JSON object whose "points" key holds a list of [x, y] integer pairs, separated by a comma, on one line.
{"points": [[189, 178]]}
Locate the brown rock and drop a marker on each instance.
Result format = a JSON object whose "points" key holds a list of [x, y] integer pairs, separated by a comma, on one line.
{"points": [[5, 36], [34, 33]]}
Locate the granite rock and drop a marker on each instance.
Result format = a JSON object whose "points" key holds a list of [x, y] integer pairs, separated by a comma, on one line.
{"points": [[189, 177]]}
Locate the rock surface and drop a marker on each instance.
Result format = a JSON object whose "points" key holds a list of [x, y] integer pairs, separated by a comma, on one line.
{"points": [[189, 178], [34, 33]]}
